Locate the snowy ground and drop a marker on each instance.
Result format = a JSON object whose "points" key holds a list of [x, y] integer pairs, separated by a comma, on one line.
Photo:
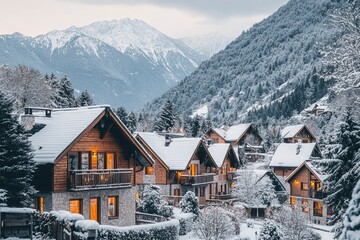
{"points": [[251, 233]]}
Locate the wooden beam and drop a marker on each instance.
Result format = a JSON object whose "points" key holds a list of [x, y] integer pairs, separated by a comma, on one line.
{"points": [[108, 125]]}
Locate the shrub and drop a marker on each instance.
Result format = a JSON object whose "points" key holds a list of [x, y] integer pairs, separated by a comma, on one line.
{"points": [[189, 203], [270, 231]]}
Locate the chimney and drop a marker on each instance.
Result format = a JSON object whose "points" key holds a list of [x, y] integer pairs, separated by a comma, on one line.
{"points": [[167, 140], [28, 119], [298, 148]]}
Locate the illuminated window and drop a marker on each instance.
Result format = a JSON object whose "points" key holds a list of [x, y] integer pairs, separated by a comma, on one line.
{"points": [[149, 170], [94, 160], [94, 209], [179, 177], [318, 208], [304, 186], [113, 207], [292, 201], [76, 206], [110, 161], [40, 204], [232, 184], [193, 169]]}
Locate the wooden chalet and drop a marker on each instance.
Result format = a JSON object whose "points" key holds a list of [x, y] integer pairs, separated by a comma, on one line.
{"points": [[244, 138], [297, 133], [86, 162], [306, 184], [288, 156], [181, 165], [227, 163]]}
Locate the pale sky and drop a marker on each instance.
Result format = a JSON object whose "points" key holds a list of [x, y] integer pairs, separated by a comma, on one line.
{"points": [[176, 18]]}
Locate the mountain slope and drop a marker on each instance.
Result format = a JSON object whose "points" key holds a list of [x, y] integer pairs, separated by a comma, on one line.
{"points": [[262, 65], [122, 63], [208, 44]]}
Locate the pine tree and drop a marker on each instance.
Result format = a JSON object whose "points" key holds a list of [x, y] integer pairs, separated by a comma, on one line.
{"points": [[85, 99], [187, 126], [351, 230], [189, 203], [66, 93], [343, 172], [270, 231], [153, 204], [131, 122], [122, 114], [195, 126], [16, 164], [167, 118]]}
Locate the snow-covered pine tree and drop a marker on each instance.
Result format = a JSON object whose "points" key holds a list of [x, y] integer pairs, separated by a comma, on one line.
{"points": [[122, 114], [16, 164], [195, 126], [343, 173], [66, 93], [189, 203], [131, 122], [351, 230], [187, 123], [85, 99], [270, 231], [153, 204], [167, 118]]}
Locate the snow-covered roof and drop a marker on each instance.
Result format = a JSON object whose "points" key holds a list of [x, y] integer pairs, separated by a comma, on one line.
{"points": [[234, 132], [179, 152], [292, 154], [60, 130], [258, 174], [291, 131], [312, 168], [16, 210], [218, 152]]}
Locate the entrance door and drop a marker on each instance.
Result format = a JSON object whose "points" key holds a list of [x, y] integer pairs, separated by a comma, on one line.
{"points": [[94, 209]]}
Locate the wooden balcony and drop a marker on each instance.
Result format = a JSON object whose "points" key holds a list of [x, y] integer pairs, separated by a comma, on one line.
{"points": [[317, 194], [104, 178], [188, 180]]}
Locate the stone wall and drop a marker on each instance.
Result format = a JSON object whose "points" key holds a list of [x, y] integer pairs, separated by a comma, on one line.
{"points": [[126, 204]]}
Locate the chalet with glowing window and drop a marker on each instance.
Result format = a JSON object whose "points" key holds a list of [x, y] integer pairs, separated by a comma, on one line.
{"points": [[306, 183], [297, 133], [226, 163], [288, 156], [244, 138], [181, 165], [86, 162]]}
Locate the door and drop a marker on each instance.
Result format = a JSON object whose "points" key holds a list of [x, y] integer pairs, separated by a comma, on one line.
{"points": [[193, 169], [110, 161], [94, 209]]}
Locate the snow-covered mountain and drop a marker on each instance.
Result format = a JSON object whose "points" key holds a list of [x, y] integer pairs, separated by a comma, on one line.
{"points": [[207, 44], [121, 62]]}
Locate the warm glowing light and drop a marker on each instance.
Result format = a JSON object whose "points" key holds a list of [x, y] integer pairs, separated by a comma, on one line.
{"points": [[296, 181]]}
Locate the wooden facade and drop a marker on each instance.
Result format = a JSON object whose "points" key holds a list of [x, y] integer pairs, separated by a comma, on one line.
{"points": [[306, 191], [304, 135]]}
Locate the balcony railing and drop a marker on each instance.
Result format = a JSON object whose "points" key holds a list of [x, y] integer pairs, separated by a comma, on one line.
{"points": [[317, 194], [104, 178], [189, 180]]}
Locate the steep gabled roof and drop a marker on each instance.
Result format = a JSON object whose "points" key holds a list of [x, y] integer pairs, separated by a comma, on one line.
{"points": [[219, 152], [221, 132], [291, 131], [292, 154], [177, 154], [321, 177], [235, 132], [66, 126], [259, 174]]}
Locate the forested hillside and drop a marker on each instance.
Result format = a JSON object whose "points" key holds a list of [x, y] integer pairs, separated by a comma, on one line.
{"points": [[265, 64]]}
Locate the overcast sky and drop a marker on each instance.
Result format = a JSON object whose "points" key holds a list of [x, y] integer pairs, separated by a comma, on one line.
{"points": [[176, 18]]}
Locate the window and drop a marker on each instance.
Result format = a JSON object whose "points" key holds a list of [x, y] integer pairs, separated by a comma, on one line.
{"points": [[193, 169], [101, 160], [84, 161], [110, 161], [177, 192], [73, 160], [149, 170], [305, 206], [94, 209], [76, 206], [40, 204], [113, 207], [94, 160], [178, 177], [292, 201], [304, 186], [317, 208]]}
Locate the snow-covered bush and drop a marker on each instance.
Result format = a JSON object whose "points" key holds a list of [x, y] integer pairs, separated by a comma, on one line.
{"points": [[294, 224], [168, 230], [214, 224], [189, 203], [43, 223], [3, 195], [84, 227], [153, 204], [270, 231]]}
